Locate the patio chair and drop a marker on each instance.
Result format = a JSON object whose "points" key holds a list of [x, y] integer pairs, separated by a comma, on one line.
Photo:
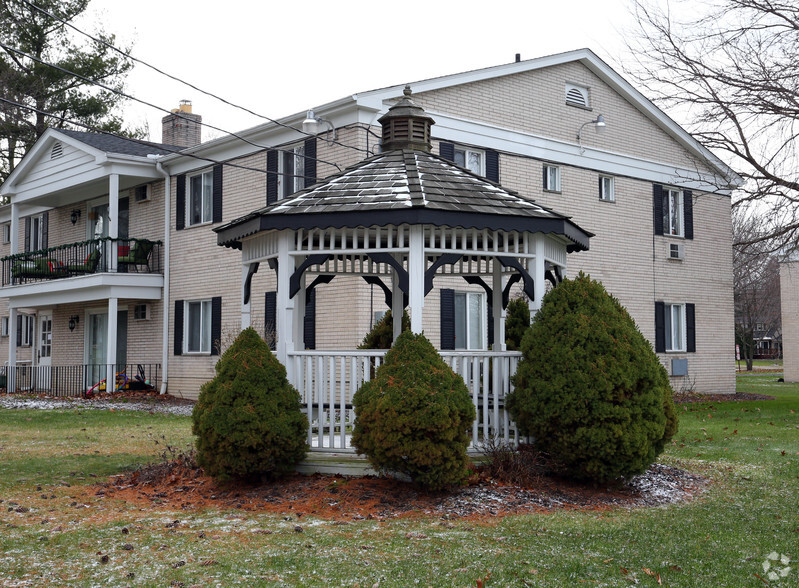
{"points": [[139, 254], [89, 265]]}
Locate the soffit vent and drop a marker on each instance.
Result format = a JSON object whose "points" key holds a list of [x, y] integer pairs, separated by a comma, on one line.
{"points": [[58, 150], [577, 96]]}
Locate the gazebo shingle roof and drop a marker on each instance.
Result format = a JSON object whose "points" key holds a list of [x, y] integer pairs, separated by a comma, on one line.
{"points": [[405, 186]]}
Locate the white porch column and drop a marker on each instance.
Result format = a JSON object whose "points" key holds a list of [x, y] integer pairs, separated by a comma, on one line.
{"points": [[113, 226], [537, 269], [285, 305], [12, 348], [14, 229], [246, 317], [499, 312], [416, 267], [397, 308], [111, 345]]}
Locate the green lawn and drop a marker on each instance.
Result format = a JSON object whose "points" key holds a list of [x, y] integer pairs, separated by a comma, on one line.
{"points": [[749, 450]]}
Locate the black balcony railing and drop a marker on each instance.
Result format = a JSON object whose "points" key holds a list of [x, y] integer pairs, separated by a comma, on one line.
{"points": [[84, 258], [79, 380]]}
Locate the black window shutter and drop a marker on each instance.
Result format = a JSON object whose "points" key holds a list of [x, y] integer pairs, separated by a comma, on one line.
{"points": [[600, 188], [270, 320], [271, 177], [309, 324], [45, 226], [447, 151], [688, 213], [216, 324], [546, 185], [690, 327], [124, 218], [660, 327], [19, 330], [180, 202], [27, 234], [657, 191], [492, 165], [310, 164], [447, 319], [218, 193], [178, 349]]}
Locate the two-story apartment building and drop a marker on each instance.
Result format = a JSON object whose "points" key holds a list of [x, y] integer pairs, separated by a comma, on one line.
{"points": [[565, 130]]}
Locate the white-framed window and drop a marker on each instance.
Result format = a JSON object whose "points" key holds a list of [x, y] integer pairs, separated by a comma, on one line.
{"points": [[551, 178], [675, 327], [470, 325], [760, 327], [37, 233], [4, 327], [199, 204], [6, 234], [141, 312], [25, 326], [673, 214], [471, 159], [197, 326], [577, 95], [607, 188], [292, 170]]}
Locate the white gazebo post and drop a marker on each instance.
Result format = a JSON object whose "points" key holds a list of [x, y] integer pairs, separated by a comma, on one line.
{"points": [[537, 269], [416, 267], [246, 299], [498, 310], [285, 305]]}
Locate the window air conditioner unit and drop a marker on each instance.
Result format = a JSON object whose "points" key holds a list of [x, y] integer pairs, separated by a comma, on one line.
{"points": [[676, 251], [142, 193]]}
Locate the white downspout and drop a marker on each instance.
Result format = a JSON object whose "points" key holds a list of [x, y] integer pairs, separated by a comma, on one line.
{"points": [[165, 318]]}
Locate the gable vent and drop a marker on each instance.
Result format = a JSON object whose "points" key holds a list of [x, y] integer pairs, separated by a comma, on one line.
{"points": [[576, 96], [58, 150]]}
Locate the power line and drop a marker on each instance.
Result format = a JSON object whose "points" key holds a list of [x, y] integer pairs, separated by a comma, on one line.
{"points": [[181, 81], [143, 142], [129, 97]]}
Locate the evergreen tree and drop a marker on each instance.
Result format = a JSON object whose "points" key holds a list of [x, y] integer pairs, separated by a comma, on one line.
{"points": [[32, 43]]}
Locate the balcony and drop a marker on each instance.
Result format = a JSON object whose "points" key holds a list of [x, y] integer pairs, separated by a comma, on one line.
{"points": [[90, 257]]}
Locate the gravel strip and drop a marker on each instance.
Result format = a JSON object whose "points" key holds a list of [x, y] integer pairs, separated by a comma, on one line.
{"points": [[51, 403]]}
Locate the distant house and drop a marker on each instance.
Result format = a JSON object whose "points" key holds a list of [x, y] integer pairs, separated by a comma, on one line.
{"points": [[565, 131]]}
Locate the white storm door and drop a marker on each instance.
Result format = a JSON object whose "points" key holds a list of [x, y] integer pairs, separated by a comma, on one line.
{"points": [[44, 350]]}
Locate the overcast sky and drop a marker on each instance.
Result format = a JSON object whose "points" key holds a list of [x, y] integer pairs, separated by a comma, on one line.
{"points": [[278, 58]]}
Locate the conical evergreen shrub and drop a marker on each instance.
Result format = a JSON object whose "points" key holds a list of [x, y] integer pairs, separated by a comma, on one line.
{"points": [[589, 387], [382, 333], [415, 416], [517, 321], [247, 419]]}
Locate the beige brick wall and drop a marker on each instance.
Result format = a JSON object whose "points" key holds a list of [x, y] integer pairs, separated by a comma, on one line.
{"points": [[789, 295]]}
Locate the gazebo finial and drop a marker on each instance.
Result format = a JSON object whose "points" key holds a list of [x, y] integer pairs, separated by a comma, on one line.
{"points": [[406, 125]]}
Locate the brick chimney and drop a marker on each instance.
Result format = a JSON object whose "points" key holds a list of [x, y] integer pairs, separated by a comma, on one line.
{"points": [[181, 128]]}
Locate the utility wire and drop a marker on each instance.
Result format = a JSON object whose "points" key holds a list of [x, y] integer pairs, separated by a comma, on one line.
{"points": [[129, 97], [181, 81], [142, 141]]}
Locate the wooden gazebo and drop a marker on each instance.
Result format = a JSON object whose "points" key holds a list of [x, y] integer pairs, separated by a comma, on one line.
{"points": [[403, 217]]}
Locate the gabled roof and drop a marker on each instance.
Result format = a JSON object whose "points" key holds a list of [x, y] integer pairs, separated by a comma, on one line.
{"points": [[405, 186], [120, 145]]}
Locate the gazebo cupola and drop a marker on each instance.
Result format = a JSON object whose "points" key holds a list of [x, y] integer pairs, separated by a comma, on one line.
{"points": [[406, 125]]}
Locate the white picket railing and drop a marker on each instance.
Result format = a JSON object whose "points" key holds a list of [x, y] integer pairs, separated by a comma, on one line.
{"points": [[327, 381]]}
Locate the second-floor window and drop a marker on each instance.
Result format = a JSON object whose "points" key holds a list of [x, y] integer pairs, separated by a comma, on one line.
{"points": [[470, 159], [199, 203], [551, 178], [197, 337], [673, 212], [292, 177], [607, 189]]}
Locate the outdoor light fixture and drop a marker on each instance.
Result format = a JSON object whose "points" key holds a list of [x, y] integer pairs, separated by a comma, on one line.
{"points": [[73, 322], [311, 124], [599, 121], [74, 216]]}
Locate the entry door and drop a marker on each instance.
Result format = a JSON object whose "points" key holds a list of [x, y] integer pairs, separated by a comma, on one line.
{"points": [[44, 351], [97, 347]]}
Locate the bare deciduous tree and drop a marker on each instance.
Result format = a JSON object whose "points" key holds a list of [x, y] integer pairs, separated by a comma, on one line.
{"points": [[729, 70]]}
